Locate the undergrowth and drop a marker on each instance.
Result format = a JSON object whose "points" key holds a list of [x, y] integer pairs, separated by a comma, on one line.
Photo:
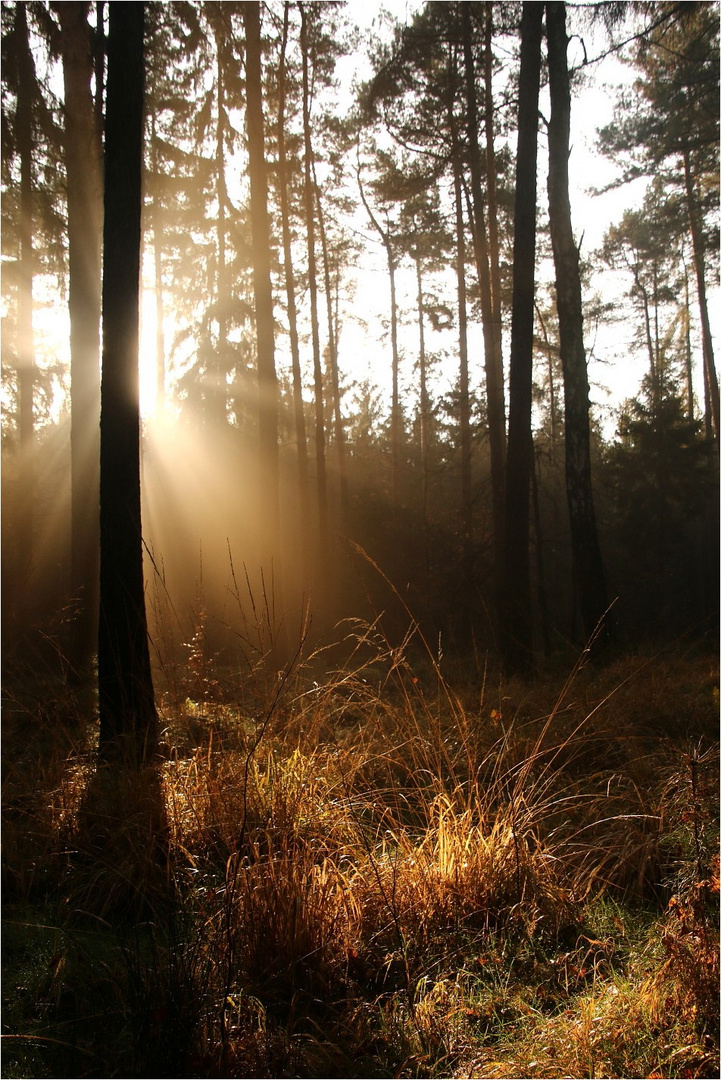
{"points": [[368, 872]]}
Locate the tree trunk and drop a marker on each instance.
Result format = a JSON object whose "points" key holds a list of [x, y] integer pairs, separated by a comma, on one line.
{"points": [[333, 362], [128, 721], [299, 412], [157, 225], [321, 480], [216, 376], [395, 374], [688, 352], [99, 66], [262, 289], [467, 570], [425, 411], [25, 339], [491, 338], [493, 243], [84, 243], [515, 624], [387, 242], [699, 259], [588, 565]]}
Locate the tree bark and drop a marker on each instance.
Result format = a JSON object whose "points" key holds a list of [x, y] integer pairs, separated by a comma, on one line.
{"points": [[515, 623], [588, 565], [25, 338], [387, 242], [262, 288], [128, 721], [333, 362], [290, 287], [84, 243], [321, 480], [699, 261], [156, 218], [216, 376], [491, 338]]}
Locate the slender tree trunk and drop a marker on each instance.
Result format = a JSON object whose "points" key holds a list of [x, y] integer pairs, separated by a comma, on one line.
{"points": [[217, 393], [515, 624], [552, 399], [492, 199], [387, 241], [491, 340], [540, 568], [128, 721], [157, 224], [395, 388], [321, 479], [652, 367], [588, 565], [290, 287], [84, 242], [465, 405], [25, 337], [425, 412], [699, 259], [262, 288], [688, 357], [467, 561], [99, 65], [333, 360]]}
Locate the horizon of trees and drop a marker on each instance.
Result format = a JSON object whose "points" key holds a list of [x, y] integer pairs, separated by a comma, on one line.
{"points": [[268, 469]]}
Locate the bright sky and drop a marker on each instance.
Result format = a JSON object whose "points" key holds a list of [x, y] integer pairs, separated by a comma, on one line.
{"points": [[364, 348]]}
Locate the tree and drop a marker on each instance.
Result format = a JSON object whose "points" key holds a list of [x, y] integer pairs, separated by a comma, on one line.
{"points": [[389, 242], [662, 478], [290, 288], [487, 277], [128, 720], [262, 288], [33, 246], [588, 565], [647, 244], [669, 129], [84, 199], [515, 605], [309, 204]]}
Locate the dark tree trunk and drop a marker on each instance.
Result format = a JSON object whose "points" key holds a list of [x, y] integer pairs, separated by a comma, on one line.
{"points": [[25, 339], [333, 362], [216, 391], [491, 194], [425, 410], [84, 242], [156, 219], [321, 481], [465, 405], [262, 289], [128, 721], [299, 412], [395, 372], [99, 65], [699, 260], [491, 335], [515, 599], [387, 241], [588, 565]]}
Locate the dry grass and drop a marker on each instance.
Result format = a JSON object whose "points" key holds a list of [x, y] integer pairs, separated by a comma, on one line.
{"points": [[369, 874]]}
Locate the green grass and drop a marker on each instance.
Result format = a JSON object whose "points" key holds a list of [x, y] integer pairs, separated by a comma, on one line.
{"points": [[371, 873]]}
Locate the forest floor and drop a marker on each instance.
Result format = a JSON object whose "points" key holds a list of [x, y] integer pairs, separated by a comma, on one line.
{"points": [[405, 868]]}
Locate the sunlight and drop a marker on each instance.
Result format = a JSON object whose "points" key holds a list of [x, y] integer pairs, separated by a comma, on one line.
{"points": [[147, 362]]}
